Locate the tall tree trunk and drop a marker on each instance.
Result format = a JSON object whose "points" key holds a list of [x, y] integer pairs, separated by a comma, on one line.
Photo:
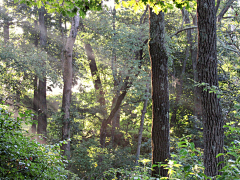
{"points": [[35, 87], [160, 93], [42, 117], [213, 133], [67, 89], [142, 123], [114, 72]]}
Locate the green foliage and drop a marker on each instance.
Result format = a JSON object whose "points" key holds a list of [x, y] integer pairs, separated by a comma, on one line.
{"points": [[89, 160], [231, 170], [69, 8], [186, 161], [22, 157]]}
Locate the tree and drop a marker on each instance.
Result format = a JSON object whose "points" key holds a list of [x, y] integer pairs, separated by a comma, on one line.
{"points": [[207, 75], [67, 89], [42, 86], [160, 93]]}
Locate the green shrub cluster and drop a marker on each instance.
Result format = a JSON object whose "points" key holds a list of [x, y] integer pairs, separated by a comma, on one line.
{"points": [[22, 157]]}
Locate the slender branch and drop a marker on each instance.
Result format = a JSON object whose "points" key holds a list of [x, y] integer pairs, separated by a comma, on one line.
{"points": [[184, 29], [143, 16], [224, 10], [227, 48], [217, 6]]}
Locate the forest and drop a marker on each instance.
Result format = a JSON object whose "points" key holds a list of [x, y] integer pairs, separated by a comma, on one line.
{"points": [[131, 89]]}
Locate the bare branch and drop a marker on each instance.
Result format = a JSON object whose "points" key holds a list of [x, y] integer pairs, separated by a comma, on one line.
{"points": [[228, 48], [217, 6], [224, 10], [184, 29]]}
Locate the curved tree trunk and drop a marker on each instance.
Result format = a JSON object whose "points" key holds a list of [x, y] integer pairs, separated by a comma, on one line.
{"points": [[160, 93], [213, 133]]}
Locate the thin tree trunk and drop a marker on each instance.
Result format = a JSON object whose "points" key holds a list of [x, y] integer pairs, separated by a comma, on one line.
{"points": [[213, 133], [35, 87], [142, 123], [35, 104], [114, 57], [115, 123], [16, 107], [67, 89], [42, 117], [160, 93]]}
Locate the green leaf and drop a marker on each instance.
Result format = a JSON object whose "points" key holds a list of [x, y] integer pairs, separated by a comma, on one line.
{"points": [[220, 154], [233, 154]]}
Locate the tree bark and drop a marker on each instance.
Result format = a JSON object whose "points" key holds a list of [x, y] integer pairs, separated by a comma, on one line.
{"points": [[67, 89], [42, 117], [160, 93], [213, 133], [141, 124]]}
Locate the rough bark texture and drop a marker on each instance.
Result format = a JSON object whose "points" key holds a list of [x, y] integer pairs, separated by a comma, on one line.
{"points": [[42, 117], [207, 73], [141, 124], [67, 79], [160, 93]]}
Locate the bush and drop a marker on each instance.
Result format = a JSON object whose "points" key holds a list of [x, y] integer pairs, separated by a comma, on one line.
{"points": [[23, 158]]}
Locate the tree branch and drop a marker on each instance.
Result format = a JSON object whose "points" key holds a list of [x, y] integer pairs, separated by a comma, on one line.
{"points": [[228, 48], [224, 10], [184, 29], [217, 6]]}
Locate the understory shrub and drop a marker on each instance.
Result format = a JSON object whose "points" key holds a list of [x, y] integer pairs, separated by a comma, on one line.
{"points": [[24, 158]]}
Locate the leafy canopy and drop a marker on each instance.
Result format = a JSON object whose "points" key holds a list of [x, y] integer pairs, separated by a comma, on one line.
{"points": [[71, 7]]}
